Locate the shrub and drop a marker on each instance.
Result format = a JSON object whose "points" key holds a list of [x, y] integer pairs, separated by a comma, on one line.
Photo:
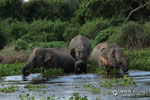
{"points": [[18, 29], [10, 69], [131, 35], [104, 34], [47, 31], [91, 28], [139, 59], [22, 45], [70, 32], [146, 39], [3, 40]]}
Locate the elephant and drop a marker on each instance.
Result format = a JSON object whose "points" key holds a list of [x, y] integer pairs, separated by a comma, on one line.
{"points": [[80, 47], [109, 55], [49, 58], [80, 66]]}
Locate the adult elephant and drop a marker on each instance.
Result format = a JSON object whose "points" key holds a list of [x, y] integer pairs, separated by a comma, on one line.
{"points": [[80, 47], [110, 56], [49, 58]]}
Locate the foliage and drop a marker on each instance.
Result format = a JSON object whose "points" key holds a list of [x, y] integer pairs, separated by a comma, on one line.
{"points": [[13, 28], [124, 81], [3, 40], [91, 28], [41, 9], [45, 30], [146, 38], [53, 72], [91, 88], [104, 34], [74, 97], [9, 89], [90, 9], [22, 45], [33, 87], [139, 59], [10, 69], [131, 35], [11, 8], [70, 32], [77, 97]]}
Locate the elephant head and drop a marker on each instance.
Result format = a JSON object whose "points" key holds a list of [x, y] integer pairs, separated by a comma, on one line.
{"points": [[81, 52], [38, 58], [113, 57], [80, 67]]}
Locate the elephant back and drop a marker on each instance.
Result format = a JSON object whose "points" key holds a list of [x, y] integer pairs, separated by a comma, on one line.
{"points": [[80, 40]]}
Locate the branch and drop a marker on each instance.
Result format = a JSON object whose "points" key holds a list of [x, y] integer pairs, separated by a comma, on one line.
{"points": [[136, 9]]}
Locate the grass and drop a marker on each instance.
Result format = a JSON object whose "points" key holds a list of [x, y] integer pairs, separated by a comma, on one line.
{"points": [[9, 89]]}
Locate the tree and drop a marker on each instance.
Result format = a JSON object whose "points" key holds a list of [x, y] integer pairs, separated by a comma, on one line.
{"points": [[11, 8]]}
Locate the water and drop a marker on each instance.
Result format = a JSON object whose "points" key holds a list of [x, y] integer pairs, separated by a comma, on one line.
{"points": [[65, 86]]}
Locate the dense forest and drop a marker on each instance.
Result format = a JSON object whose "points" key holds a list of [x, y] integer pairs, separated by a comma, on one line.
{"points": [[122, 21]]}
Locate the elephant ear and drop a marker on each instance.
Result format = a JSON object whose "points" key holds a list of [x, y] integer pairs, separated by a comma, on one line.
{"points": [[47, 57], [72, 52], [103, 60]]}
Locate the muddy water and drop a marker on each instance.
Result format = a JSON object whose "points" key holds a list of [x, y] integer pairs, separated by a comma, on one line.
{"points": [[65, 86]]}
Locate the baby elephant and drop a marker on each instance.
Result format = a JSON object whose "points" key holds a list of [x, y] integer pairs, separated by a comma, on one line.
{"points": [[110, 56], [49, 58]]}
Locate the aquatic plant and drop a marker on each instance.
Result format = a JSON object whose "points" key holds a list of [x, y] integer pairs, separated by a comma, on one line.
{"points": [[53, 72], [33, 87], [107, 84], [91, 88], [9, 89], [74, 97], [125, 81], [10, 69]]}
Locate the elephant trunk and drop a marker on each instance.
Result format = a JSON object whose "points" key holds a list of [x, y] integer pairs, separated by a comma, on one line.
{"points": [[124, 65], [25, 68]]}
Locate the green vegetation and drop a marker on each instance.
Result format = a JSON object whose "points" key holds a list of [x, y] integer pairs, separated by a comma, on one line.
{"points": [[91, 88], [33, 87], [15, 69], [53, 72], [9, 89], [74, 97], [10, 69], [124, 81], [139, 59]]}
